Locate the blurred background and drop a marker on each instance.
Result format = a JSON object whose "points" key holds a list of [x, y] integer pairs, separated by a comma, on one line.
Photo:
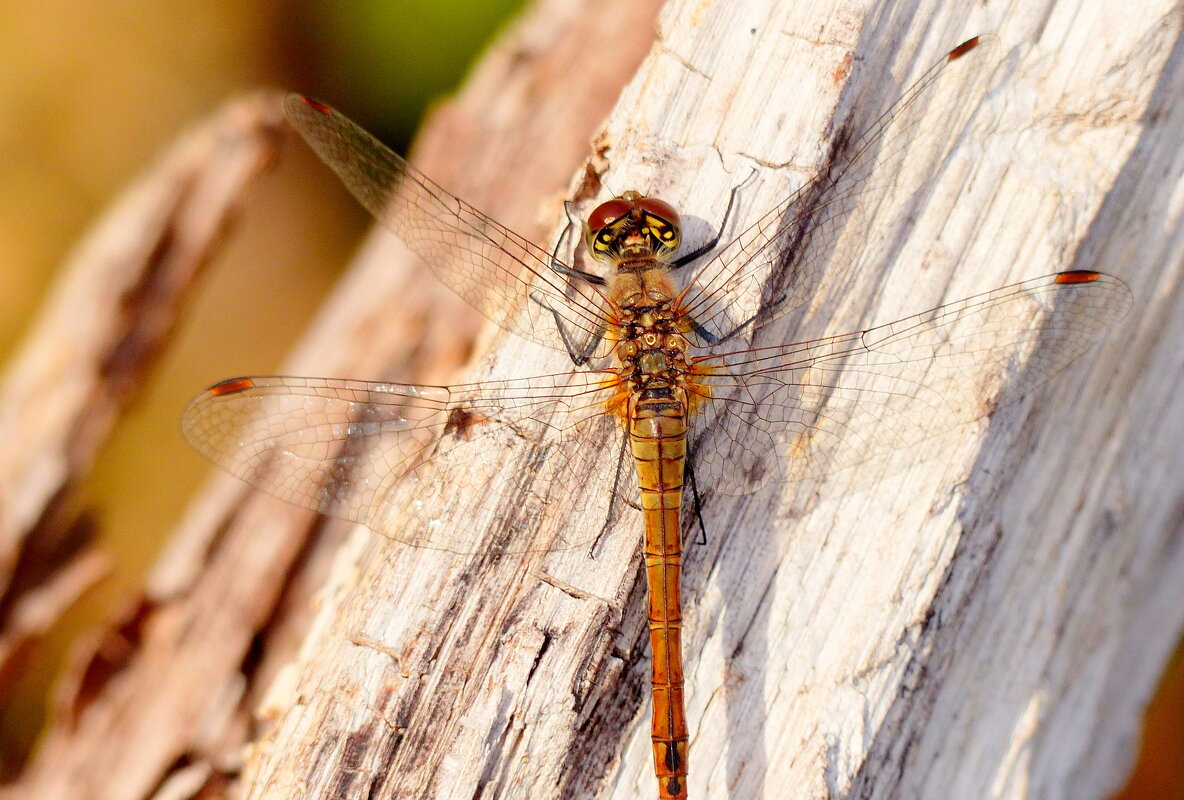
{"points": [[92, 91], [92, 94]]}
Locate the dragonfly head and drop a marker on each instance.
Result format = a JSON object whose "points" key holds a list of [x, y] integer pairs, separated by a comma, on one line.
{"points": [[632, 226]]}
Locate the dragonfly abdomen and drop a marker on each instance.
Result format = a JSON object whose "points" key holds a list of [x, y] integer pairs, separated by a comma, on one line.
{"points": [[657, 428]]}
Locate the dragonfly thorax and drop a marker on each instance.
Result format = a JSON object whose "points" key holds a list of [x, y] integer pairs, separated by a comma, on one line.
{"points": [[642, 290], [652, 352]]}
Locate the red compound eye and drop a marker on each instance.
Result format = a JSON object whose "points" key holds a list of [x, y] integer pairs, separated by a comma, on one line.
{"points": [[660, 209], [608, 212]]}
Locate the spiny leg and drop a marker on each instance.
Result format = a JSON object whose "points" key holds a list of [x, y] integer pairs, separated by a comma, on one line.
{"points": [[711, 244], [711, 339], [560, 244], [579, 355], [624, 480], [698, 504]]}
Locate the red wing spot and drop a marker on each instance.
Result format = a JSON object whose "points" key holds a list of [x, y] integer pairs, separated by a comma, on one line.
{"points": [[1076, 276], [963, 49], [231, 386], [315, 106]]}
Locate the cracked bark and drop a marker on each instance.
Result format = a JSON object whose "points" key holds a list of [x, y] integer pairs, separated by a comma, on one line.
{"points": [[968, 627], [161, 702], [872, 634]]}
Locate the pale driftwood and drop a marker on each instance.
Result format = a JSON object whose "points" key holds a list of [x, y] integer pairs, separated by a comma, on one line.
{"points": [[109, 315], [160, 704], [989, 624], [986, 624]]}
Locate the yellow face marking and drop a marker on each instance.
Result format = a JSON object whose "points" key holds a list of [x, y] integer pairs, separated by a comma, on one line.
{"points": [[661, 230], [624, 231]]}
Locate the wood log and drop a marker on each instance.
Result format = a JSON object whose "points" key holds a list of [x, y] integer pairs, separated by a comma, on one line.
{"points": [[161, 703], [942, 630], [986, 620]]}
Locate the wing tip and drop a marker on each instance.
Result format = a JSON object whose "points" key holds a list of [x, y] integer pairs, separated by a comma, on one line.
{"points": [[964, 48], [231, 386], [296, 101], [1077, 276]]}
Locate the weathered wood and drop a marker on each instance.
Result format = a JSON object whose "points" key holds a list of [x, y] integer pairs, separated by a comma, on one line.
{"points": [[947, 630], [984, 624], [160, 704]]}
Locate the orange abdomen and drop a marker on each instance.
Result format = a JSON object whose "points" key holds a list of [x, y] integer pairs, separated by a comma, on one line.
{"points": [[657, 437]]}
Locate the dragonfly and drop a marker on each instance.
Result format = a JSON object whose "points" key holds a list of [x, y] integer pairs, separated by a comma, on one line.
{"points": [[670, 357]]}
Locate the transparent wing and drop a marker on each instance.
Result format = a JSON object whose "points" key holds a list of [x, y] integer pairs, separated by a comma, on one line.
{"points": [[808, 409], [507, 278], [778, 263], [369, 452]]}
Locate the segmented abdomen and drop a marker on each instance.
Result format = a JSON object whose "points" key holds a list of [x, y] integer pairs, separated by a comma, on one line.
{"points": [[658, 439]]}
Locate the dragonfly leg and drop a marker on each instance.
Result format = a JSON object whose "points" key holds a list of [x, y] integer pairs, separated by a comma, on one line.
{"points": [[561, 242], [711, 244], [706, 336], [624, 480], [765, 311], [579, 354], [698, 505], [572, 272]]}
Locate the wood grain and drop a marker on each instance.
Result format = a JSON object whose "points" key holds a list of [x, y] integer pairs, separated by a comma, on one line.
{"points": [[162, 702], [986, 622], [858, 637]]}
